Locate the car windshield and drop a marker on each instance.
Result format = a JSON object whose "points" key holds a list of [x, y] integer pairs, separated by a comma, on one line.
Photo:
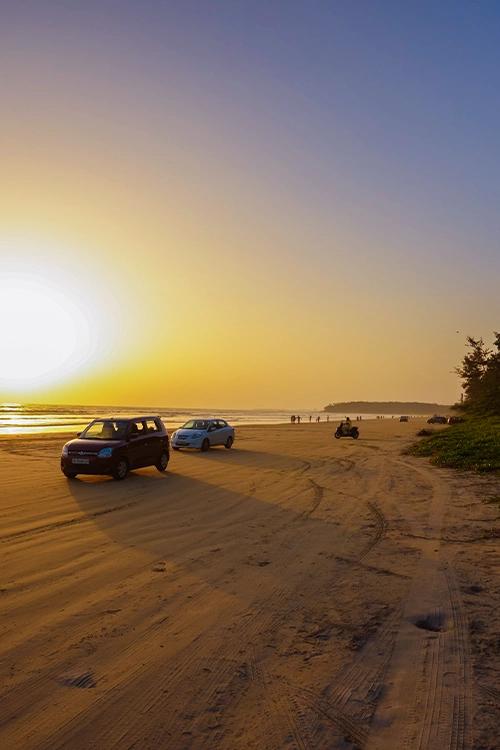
{"points": [[106, 429], [195, 424]]}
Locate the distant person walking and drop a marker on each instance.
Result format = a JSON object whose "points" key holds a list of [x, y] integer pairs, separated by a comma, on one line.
{"points": [[298, 418], [292, 418], [310, 418], [327, 417], [318, 418]]}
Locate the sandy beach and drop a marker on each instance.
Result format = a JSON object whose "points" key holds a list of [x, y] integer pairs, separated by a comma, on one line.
{"points": [[293, 592]]}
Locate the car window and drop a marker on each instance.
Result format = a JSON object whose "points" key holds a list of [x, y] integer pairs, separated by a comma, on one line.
{"points": [[195, 424], [137, 428], [151, 425], [105, 429]]}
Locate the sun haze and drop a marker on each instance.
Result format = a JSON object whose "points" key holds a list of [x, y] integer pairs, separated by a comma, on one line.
{"points": [[246, 205]]}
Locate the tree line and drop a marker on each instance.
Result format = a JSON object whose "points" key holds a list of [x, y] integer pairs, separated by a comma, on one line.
{"points": [[385, 407], [480, 373]]}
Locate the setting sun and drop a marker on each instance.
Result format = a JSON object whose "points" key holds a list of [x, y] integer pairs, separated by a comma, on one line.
{"points": [[46, 333]]}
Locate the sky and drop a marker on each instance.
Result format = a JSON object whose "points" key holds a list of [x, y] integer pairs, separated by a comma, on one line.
{"points": [[246, 204]]}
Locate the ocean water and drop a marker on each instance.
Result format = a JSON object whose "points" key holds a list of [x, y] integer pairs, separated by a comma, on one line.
{"points": [[32, 418]]}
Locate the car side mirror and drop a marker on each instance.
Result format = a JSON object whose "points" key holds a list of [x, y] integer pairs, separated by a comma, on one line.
{"points": [[78, 434]]}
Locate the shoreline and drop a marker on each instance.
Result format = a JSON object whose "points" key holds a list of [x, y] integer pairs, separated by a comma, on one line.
{"points": [[47, 431]]}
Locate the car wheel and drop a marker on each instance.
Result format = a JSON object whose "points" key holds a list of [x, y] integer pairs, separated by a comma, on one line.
{"points": [[69, 474], [121, 470], [162, 462], [205, 445], [229, 442]]}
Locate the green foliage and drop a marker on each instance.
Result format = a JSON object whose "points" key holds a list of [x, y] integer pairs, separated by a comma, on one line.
{"points": [[473, 445], [480, 373]]}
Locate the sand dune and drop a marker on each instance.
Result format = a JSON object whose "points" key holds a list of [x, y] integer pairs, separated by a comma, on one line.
{"points": [[294, 592]]}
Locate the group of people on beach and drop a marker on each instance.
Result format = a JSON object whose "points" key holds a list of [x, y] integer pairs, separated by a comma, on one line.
{"points": [[296, 418]]}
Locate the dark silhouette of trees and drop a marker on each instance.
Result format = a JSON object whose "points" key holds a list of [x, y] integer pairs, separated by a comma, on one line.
{"points": [[385, 407], [480, 373]]}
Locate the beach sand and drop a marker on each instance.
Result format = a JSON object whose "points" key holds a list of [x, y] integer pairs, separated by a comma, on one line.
{"points": [[294, 592]]}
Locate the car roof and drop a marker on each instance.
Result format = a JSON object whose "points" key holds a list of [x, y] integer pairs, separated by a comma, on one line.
{"points": [[206, 419], [130, 419]]}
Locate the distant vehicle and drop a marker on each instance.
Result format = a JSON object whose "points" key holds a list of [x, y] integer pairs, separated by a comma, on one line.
{"points": [[455, 420], [344, 431], [403, 419], [202, 434], [436, 419], [114, 446]]}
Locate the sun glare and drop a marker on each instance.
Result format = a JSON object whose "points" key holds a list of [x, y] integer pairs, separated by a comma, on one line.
{"points": [[45, 333]]}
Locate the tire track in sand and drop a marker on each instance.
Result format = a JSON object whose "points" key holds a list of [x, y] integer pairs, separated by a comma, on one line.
{"points": [[173, 692], [427, 700]]}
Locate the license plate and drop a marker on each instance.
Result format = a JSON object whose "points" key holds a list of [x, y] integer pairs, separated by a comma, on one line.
{"points": [[81, 460]]}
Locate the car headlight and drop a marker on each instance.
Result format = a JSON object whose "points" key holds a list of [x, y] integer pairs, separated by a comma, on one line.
{"points": [[105, 453], [65, 450]]}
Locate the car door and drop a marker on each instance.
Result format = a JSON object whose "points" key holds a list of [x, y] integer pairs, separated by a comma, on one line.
{"points": [[221, 432], [225, 431], [138, 445], [212, 433], [154, 443]]}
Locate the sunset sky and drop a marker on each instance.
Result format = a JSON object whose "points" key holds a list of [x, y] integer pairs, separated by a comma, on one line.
{"points": [[246, 204]]}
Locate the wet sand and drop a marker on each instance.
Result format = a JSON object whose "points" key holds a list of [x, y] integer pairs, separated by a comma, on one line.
{"points": [[294, 592]]}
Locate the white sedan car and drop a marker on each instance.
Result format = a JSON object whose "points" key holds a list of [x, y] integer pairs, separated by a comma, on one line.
{"points": [[202, 434]]}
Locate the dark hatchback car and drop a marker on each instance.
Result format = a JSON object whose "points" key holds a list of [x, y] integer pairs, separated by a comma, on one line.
{"points": [[436, 419], [115, 445], [455, 420]]}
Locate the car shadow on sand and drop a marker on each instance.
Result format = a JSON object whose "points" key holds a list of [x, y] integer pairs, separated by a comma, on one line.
{"points": [[245, 457], [197, 526]]}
